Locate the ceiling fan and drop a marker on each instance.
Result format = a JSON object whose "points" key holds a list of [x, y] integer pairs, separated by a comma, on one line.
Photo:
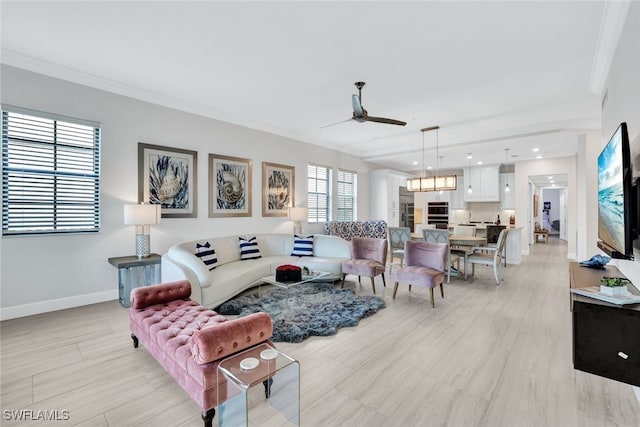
{"points": [[361, 115]]}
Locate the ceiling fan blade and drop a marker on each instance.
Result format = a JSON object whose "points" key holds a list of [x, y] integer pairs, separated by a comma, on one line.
{"points": [[357, 106], [333, 124], [386, 121]]}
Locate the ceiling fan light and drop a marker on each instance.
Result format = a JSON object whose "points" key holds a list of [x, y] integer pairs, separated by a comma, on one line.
{"points": [[470, 190]]}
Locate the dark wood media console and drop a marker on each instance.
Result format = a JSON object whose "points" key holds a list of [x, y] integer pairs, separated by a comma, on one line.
{"points": [[606, 337]]}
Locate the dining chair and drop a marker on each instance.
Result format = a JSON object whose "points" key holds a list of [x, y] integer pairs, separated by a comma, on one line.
{"points": [[425, 264], [397, 237], [464, 230], [420, 227], [491, 256], [368, 258], [442, 236]]}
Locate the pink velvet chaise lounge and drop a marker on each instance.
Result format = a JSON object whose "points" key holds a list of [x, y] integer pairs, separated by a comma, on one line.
{"points": [[189, 340]]}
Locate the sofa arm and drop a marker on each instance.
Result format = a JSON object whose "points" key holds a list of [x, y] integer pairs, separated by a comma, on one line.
{"points": [[157, 294], [220, 340]]}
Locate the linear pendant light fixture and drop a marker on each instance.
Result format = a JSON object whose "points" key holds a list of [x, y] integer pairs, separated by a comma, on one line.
{"points": [[432, 183]]}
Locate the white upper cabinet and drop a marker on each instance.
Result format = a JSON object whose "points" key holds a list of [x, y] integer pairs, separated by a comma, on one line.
{"points": [[485, 183], [458, 196], [507, 198]]}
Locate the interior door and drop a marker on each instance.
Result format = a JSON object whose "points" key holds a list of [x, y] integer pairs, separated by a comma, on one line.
{"points": [[563, 214]]}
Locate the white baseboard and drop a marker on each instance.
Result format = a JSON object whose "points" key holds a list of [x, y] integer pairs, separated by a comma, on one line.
{"points": [[572, 256], [39, 307]]}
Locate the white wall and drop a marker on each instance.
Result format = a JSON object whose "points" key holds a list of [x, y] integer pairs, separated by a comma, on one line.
{"points": [[525, 169], [41, 273], [623, 105]]}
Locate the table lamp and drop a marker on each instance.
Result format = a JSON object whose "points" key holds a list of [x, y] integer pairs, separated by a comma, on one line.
{"points": [[142, 216], [297, 215]]}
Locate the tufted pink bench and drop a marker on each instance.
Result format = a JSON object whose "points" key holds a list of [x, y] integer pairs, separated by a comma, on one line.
{"points": [[189, 340]]}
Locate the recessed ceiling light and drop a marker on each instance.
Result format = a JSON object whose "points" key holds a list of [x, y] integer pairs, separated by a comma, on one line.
{"points": [[415, 163], [480, 162], [469, 156], [428, 167], [538, 156], [535, 150], [550, 177]]}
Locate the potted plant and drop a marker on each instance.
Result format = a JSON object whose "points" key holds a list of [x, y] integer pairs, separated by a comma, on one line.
{"points": [[613, 286]]}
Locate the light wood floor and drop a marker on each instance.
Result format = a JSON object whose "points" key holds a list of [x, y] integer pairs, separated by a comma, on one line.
{"points": [[487, 355]]}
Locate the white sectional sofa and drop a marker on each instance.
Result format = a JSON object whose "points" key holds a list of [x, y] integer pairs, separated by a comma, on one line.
{"points": [[232, 275]]}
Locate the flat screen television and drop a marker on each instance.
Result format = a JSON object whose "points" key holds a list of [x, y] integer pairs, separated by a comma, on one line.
{"points": [[615, 200]]}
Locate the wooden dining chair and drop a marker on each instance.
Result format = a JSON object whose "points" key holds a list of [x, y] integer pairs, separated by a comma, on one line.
{"points": [[397, 237], [491, 256], [442, 236]]}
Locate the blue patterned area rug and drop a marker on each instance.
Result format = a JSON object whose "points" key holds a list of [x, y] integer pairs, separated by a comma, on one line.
{"points": [[305, 310]]}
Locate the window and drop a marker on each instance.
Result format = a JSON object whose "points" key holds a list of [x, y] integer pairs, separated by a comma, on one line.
{"points": [[50, 173], [319, 193], [347, 190]]}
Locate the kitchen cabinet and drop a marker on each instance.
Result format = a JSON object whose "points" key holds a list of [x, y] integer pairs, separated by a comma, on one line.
{"points": [[385, 195], [507, 198], [485, 181], [457, 197]]}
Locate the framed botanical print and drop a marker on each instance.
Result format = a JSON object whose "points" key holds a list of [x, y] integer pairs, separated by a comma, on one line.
{"points": [[229, 186], [278, 189], [167, 176]]}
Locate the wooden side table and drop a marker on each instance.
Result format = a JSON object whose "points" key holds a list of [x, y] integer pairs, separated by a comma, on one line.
{"points": [[134, 272], [543, 233]]}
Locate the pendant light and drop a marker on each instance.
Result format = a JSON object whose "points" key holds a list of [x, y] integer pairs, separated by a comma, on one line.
{"points": [[432, 183], [469, 157], [506, 156]]}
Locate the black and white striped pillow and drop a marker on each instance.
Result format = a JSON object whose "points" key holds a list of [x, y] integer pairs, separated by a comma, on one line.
{"points": [[249, 248], [302, 246], [207, 254]]}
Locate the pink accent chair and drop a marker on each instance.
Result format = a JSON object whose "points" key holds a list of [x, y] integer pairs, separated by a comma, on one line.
{"points": [[368, 258], [189, 340], [424, 265]]}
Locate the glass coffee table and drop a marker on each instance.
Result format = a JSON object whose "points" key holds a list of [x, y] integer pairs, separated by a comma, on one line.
{"points": [[314, 276], [260, 365]]}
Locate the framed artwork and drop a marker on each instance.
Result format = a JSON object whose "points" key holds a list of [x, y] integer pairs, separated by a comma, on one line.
{"points": [[278, 189], [535, 205], [167, 176], [229, 186]]}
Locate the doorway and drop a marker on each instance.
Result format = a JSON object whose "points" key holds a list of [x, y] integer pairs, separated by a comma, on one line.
{"points": [[548, 205]]}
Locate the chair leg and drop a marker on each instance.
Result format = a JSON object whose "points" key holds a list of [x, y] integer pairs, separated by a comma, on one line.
{"points": [[344, 275], [207, 417], [442, 289], [409, 287], [384, 282], [359, 282], [373, 285], [433, 303], [395, 289]]}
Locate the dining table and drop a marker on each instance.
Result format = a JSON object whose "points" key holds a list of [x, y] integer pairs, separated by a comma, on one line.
{"points": [[466, 243]]}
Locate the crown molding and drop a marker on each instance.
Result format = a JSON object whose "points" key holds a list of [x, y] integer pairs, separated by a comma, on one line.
{"points": [[611, 26]]}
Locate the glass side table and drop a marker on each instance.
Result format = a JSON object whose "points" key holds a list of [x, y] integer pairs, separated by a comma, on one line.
{"points": [[134, 272], [276, 371]]}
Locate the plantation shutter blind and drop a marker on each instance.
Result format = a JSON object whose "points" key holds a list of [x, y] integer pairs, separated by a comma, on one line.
{"points": [[50, 173], [346, 195], [318, 193]]}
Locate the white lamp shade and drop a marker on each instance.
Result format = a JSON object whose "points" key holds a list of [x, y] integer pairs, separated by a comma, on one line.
{"points": [[298, 214], [142, 214]]}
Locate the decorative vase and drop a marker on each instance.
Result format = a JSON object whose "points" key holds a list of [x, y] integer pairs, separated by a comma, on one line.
{"points": [[614, 290]]}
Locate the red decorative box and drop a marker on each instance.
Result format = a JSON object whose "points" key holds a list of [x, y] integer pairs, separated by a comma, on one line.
{"points": [[288, 273]]}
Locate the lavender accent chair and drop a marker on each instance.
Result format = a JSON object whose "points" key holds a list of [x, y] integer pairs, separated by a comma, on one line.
{"points": [[189, 340], [425, 264], [368, 258]]}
